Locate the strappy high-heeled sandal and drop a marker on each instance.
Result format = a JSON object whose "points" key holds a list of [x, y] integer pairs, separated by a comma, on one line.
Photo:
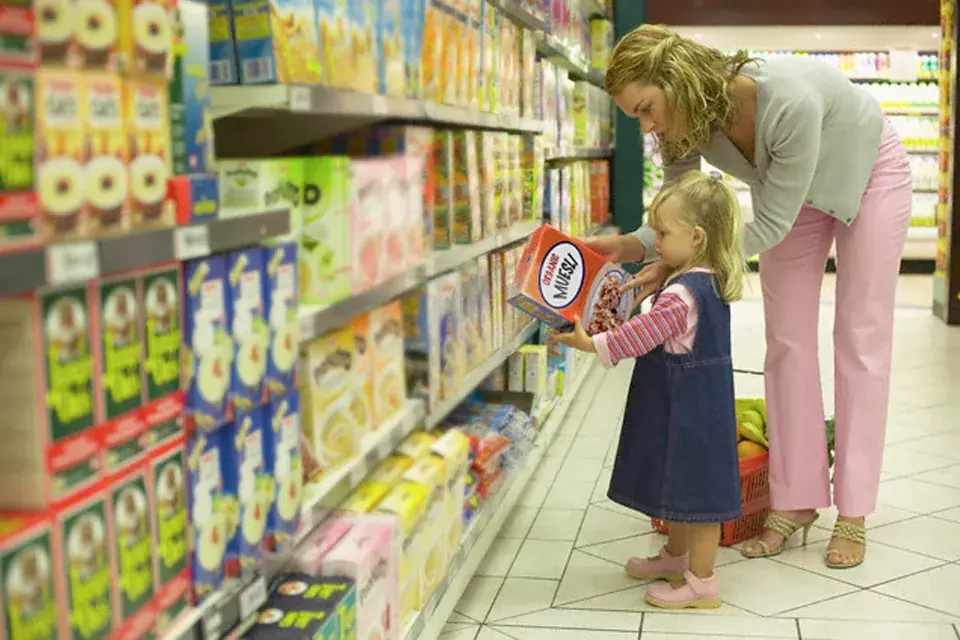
{"points": [[852, 532], [783, 526]]}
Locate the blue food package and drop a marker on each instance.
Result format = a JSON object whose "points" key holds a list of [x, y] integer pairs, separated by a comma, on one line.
{"points": [[280, 285], [222, 51], [305, 606], [191, 126], [285, 465], [277, 41], [208, 345], [248, 327], [213, 511], [196, 197], [245, 475]]}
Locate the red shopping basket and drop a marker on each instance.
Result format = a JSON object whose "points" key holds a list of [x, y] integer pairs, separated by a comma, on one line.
{"points": [[754, 498]]}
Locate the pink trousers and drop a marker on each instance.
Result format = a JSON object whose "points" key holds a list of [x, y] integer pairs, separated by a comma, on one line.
{"points": [[868, 264]]}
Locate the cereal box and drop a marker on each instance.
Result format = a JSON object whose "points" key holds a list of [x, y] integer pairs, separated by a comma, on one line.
{"points": [[19, 45], [419, 203], [391, 46], [246, 476], [213, 511], [324, 256], [396, 219], [285, 465], [467, 224], [389, 378], [367, 216], [413, 38], [363, 24], [129, 511], [443, 187], [250, 187], [277, 42], [408, 501], [17, 108], [223, 57], [434, 22], [84, 534], [249, 328], [361, 375], [60, 155], [484, 308], [470, 315], [305, 606], [160, 315], [208, 343], [146, 38], [32, 595], [335, 42], [452, 35], [191, 125], [280, 309], [147, 122], [196, 197], [168, 495], [433, 339], [105, 174], [559, 278]]}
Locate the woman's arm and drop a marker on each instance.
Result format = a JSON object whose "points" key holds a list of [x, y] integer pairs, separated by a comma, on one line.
{"points": [[793, 161], [671, 172], [643, 333]]}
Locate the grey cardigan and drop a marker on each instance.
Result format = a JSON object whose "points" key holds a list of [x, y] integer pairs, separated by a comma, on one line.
{"points": [[816, 143]]}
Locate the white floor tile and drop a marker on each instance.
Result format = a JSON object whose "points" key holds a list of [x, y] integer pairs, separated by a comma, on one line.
{"points": [[868, 605], [952, 515], [522, 595], [589, 446], [462, 633], [945, 444], [577, 619], [930, 536], [557, 524], [587, 577], [703, 636], [500, 557], [937, 589], [603, 525], [902, 461], [720, 625], [920, 497], [519, 522], [478, 597], [948, 476], [541, 559], [883, 515], [569, 495], [837, 630], [783, 587], [532, 633], [886, 563], [488, 633]]}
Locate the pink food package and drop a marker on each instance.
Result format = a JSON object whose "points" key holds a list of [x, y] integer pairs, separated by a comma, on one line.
{"points": [[368, 220], [559, 279], [369, 554], [320, 542]]}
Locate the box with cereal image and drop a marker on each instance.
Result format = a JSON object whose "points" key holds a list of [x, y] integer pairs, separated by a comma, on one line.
{"points": [[32, 596], [277, 41], [559, 279]]}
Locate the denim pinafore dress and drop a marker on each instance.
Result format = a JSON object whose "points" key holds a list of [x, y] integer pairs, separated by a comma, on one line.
{"points": [[677, 456]]}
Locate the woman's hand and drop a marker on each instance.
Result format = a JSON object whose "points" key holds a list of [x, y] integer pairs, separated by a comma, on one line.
{"points": [[576, 339], [647, 282], [625, 248]]}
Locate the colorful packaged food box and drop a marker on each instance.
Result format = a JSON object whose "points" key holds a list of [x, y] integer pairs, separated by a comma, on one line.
{"points": [[223, 55], [443, 190], [19, 222], [20, 44], [285, 463], [408, 502], [368, 212], [335, 42], [391, 48], [467, 223], [389, 373], [213, 511], [452, 28], [419, 203], [249, 187], [434, 23], [208, 343], [396, 217], [196, 197], [160, 315], [559, 279], [277, 42], [146, 38], [320, 541], [280, 310], [248, 327], [33, 596], [363, 23], [414, 14], [245, 475], [168, 493], [191, 125], [308, 607], [147, 124], [470, 315], [324, 257], [50, 395]]}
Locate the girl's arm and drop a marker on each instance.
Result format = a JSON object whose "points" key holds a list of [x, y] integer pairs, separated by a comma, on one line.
{"points": [[643, 333]]}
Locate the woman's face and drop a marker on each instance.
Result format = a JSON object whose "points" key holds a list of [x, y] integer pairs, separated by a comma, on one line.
{"points": [[646, 103]]}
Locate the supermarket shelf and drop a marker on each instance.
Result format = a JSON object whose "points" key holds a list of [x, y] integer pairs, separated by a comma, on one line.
{"points": [[80, 261], [428, 623], [478, 375], [237, 600], [315, 322], [578, 153], [550, 47], [911, 111], [514, 10]]}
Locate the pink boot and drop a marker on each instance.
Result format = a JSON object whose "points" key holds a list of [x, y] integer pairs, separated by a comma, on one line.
{"points": [[664, 567], [695, 594]]}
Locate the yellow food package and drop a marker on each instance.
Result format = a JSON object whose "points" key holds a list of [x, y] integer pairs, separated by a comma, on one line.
{"points": [[431, 537], [408, 503]]}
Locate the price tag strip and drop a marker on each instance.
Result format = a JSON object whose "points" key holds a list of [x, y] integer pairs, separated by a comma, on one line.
{"points": [[72, 262], [191, 242]]}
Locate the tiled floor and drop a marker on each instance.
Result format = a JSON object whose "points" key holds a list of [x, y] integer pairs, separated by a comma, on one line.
{"points": [[555, 572]]}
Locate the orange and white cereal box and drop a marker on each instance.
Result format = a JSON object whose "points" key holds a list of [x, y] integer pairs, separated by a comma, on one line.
{"points": [[559, 279]]}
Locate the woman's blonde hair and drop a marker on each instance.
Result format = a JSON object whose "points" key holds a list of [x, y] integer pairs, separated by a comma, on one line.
{"points": [[706, 203], [694, 78]]}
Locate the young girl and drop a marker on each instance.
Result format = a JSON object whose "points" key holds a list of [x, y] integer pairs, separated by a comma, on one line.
{"points": [[677, 456]]}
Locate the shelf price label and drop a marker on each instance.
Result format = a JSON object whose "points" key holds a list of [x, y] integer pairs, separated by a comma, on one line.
{"points": [[72, 262], [212, 622], [253, 597], [300, 99], [191, 242]]}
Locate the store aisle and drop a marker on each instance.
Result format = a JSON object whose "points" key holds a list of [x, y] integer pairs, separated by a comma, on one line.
{"points": [[555, 572]]}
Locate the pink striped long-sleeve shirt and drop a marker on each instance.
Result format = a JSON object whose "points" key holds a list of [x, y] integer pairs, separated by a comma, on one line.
{"points": [[671, 322]]}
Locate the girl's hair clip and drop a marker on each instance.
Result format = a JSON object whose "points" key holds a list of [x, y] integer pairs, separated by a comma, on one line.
{"points": [[716, 175]]}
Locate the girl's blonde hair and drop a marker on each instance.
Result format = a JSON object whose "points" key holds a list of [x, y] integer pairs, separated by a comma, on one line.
{"points": [[694, 78], [706, 203]]}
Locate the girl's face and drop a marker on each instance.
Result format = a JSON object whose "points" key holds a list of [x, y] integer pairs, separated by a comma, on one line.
{"points": [[646, 103], [676, 242]]}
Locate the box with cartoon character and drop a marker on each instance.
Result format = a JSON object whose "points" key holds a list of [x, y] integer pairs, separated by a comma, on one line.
{"points": [[213, 511], [32, 596], [19, 222], [49, 394], [147, 123], [391, 47], [146, 37], [168, 494], [305, 606], [277, 42], [196, 197], [190, 122], [285, 464], [248, 327], [280, 308], [246, 476], [363, 61], [389, 372], [324, 264], [84, 533], [105, 172], [208, 348]]}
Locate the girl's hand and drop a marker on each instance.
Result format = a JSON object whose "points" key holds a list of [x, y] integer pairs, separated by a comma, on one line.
{"points": [[647, 282], [576, 339]]}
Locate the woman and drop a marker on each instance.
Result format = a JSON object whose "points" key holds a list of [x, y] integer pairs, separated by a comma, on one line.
{"points": [[823, 166]]}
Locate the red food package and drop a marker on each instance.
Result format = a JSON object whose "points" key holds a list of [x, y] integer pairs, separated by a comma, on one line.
{"points": [[559, 279], [489, 484], [489, 449]]}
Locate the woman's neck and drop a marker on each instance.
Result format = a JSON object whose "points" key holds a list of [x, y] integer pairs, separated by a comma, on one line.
{"points": [[743, 94]]}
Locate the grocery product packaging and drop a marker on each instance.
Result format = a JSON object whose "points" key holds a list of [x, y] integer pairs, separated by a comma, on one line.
{"points": [[146, 37], [249, 187], [268, 50], [408, 502], [50, 396], [305, 606], [284, 460], [467, 224], [191, 125], [107, 153], [385, 328], [223, 55], [245, 475], [146, 120], [324, 256], [367, 215], [362, 23], [33, 598], [248, 327], [280, 311], [559, 279], [195, 198], [391, 46], [169, 520], [443, 194], [163, 401]]}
